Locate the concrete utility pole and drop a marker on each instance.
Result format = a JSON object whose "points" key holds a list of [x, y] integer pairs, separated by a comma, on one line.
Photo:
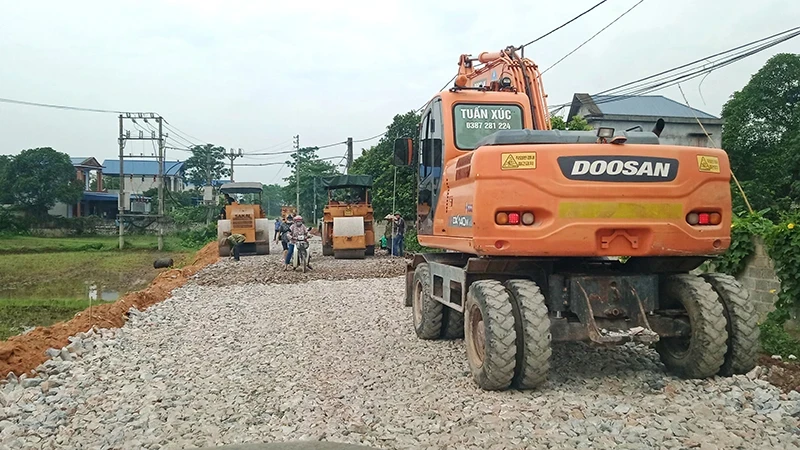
{"points": [[233, 155], [297, 170], [349, 155], [160, 184], [121, 185], [315, 201], [124, 198]]}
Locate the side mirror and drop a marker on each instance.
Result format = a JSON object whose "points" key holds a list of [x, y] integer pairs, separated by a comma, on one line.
{"points": [[403, 151]]}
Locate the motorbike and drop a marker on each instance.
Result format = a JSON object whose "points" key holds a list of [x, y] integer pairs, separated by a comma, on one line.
{"points": [[301, 252]]}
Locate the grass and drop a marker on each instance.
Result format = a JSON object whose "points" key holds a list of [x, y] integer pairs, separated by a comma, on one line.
{"points": [[33, 244], [47, 280], [18, 315]]}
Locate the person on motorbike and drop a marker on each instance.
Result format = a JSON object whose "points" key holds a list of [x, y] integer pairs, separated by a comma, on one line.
{"points": [[297, 228]]}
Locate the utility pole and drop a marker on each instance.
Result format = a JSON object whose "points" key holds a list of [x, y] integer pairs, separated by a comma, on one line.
{"points": [[209, 184], [160, 184], [349, 155], [233, 155], [121, 185], [315, 201], [297, 170], [124, 198]]}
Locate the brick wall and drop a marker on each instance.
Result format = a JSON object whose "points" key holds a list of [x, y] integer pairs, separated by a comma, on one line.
{"points": [[760, 279]]}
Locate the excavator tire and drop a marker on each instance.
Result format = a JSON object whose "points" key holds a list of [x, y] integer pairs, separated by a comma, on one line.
{"points": [[490, 335], [426, 311], [533, 334], [743, 331], [452, 324], [704, 353]]}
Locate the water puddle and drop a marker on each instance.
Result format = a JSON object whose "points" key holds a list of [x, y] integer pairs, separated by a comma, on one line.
{"points": [[88, 290]]}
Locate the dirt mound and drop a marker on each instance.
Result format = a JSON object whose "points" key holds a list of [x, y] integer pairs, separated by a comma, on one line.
{"points": [[20, 354], [782, 374]]}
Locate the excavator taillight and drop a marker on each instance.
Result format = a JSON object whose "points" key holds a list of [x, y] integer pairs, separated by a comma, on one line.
{"points": [[527, 218], [514, 218], [703, 218]]}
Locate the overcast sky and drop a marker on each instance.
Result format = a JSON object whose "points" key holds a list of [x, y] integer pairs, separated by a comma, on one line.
{"points": [[251, 74]]}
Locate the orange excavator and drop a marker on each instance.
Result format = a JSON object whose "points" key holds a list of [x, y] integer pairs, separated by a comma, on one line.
{"points": [[558, 236]]}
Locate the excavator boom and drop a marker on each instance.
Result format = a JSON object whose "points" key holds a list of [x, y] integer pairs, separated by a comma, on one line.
{"points": [[503, 71]]}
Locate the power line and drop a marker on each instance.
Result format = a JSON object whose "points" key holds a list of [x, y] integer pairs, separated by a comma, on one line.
{"points": [[699, 60], [658, 81], [593, 36], [691, 73], [370, 138], [66, 107], [561, 26]]}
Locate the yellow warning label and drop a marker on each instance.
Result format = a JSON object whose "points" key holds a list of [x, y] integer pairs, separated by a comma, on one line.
{"points": [[518, 161], [708, 164]]}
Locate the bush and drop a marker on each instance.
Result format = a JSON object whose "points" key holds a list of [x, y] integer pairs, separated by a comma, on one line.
{"points": [[411, 243], [782, 242], [198, 237]]}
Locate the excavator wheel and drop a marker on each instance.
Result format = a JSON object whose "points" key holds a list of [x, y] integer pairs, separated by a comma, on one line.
{"points": [[702, 354], [490, 335], [743, 331], [426, 311], [533, 334], [452, 324]]}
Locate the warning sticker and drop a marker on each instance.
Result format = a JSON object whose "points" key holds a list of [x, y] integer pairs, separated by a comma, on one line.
{"points": [[518, 161], [708, 164]]}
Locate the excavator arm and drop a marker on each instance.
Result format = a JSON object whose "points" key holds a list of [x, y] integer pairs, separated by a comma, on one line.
{"points": [[505, 70]]}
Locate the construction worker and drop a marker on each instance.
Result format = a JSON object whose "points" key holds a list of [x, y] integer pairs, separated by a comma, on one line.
{"points": [[399, 234], [297, 227], [277, 229], [235, 240], [284, 234]]}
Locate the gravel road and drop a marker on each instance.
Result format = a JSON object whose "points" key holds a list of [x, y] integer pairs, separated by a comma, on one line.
{"points": [[338, 360]]}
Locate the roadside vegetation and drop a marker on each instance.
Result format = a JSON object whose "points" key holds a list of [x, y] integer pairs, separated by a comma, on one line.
{"points": [[45, 280]]}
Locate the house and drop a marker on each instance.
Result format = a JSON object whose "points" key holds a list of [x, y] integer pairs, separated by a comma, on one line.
{"points": [[142, 175], [94, 201], [632, 112]]}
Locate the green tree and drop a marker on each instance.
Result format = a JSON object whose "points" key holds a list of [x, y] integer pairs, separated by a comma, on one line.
{"points": [[577, 123], [271, 200], [377, 161], [38, 178], [5, 187], [311, 168], [761, 135], [207, 162]]}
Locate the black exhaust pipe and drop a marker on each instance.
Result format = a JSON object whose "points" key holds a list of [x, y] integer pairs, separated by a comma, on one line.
{"points": [[659, 127]]}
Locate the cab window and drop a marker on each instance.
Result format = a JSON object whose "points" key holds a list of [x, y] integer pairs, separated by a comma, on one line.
{"points": [[473, 122]]}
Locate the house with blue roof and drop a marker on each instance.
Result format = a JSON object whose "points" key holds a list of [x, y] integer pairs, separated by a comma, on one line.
{"points": [[640, 112], [142, 175]]}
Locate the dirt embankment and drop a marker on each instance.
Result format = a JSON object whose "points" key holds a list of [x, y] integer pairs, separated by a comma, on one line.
{"points": [[20, 354]]}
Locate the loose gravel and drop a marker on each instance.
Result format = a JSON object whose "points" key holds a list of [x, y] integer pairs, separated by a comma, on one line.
{"points": [[339, 361], [269, 269]]}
